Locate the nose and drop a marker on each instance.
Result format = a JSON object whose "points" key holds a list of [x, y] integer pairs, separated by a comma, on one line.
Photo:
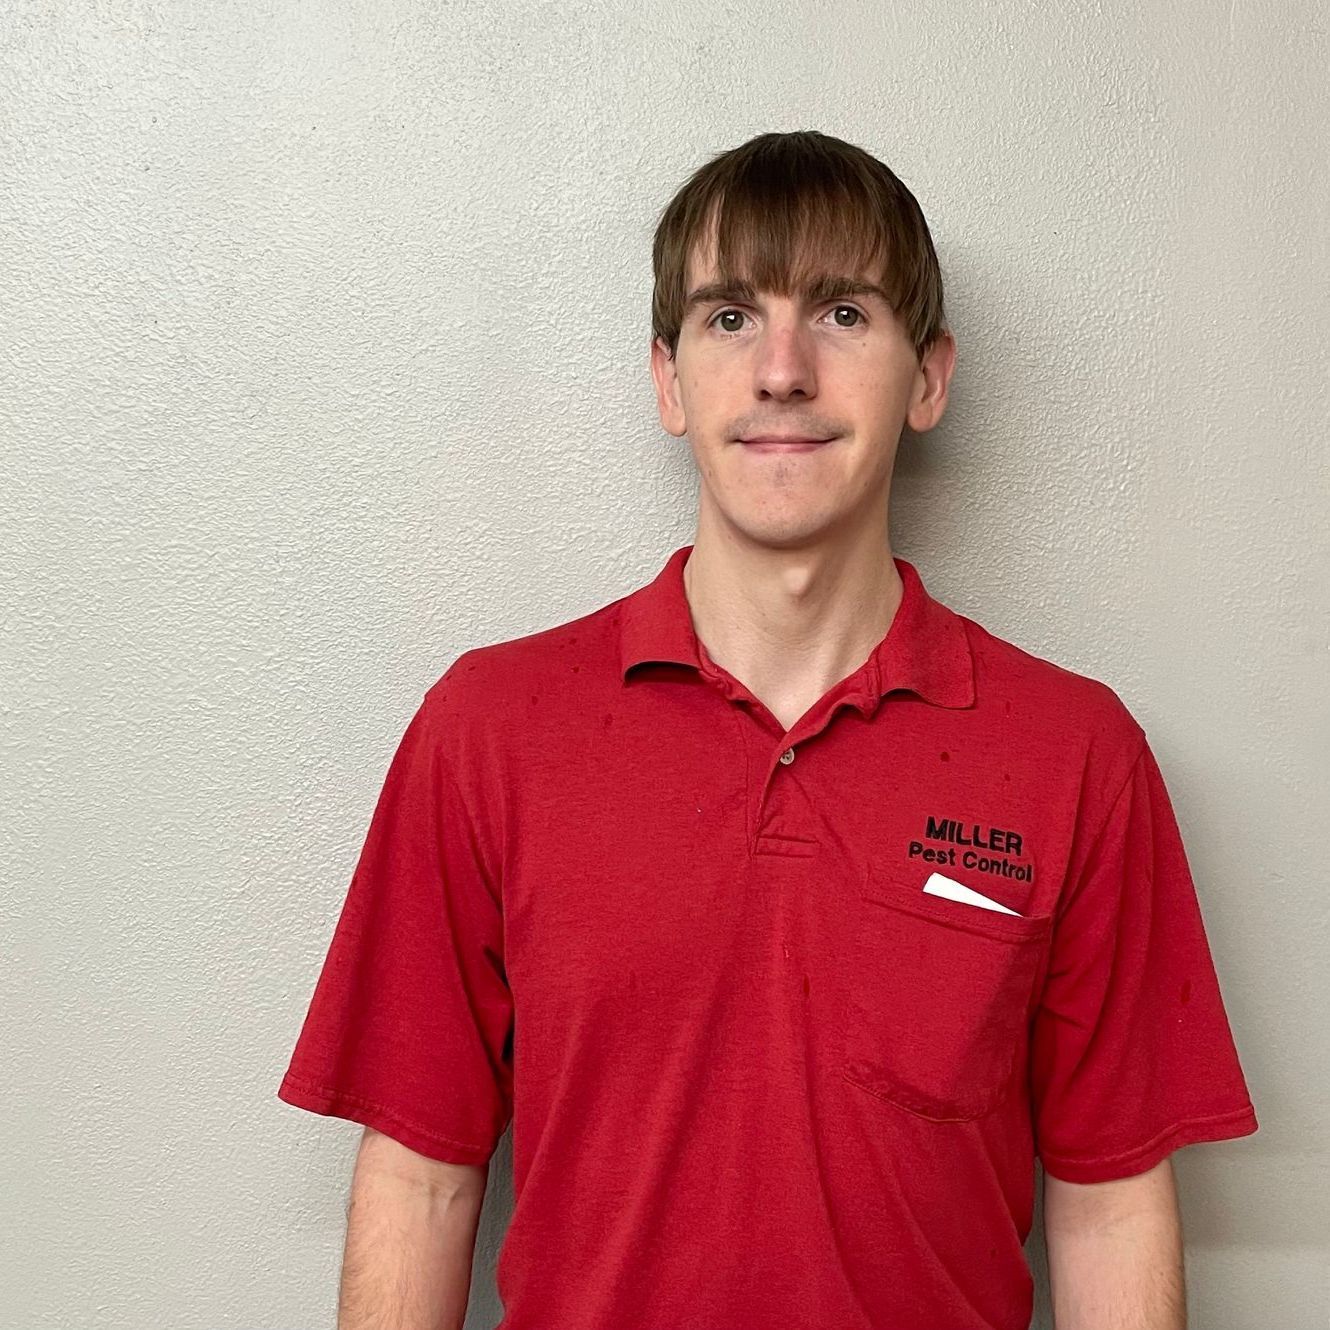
{"points": [[785, 360]]}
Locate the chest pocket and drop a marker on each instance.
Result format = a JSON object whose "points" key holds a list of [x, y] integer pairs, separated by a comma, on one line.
{"points": [[938, 1000]]}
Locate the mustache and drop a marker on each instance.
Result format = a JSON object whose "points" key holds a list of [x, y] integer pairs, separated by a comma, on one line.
{"points": [[801, 430]]}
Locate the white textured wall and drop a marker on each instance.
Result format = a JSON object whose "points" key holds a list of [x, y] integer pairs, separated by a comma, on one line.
{"points": [[325, 332]]}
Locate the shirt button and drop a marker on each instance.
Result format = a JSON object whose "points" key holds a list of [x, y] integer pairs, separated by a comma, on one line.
{"points": [[787, 756]]}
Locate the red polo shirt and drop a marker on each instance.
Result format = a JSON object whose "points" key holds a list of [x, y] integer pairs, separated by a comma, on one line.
{"points": [[759, 1077]]}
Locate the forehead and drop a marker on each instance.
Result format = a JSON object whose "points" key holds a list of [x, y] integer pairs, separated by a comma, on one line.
{"points": [[809, 271], [786, 274], [812, 285]]}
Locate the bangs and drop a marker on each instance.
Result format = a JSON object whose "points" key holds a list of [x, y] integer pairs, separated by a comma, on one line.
{"points": [[784, 241]]}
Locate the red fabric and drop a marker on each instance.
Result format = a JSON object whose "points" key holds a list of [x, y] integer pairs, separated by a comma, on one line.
{"points": [[1132, 1054], [756, 1075]]}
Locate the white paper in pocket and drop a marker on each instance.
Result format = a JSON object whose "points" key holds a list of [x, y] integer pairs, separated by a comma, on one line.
{"points": [[938, 885]]}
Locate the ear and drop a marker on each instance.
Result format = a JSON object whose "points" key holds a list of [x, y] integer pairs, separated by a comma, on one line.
{"points": [[669, 401], [929, 400]]}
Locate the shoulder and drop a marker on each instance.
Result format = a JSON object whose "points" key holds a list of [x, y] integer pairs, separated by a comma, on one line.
{"points": [[505, 687], [1049, 704]]}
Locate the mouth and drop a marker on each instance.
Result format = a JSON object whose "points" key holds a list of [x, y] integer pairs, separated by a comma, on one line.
{"points": [[782, 443]]}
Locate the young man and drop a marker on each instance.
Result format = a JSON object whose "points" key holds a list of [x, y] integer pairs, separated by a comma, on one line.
{"points": [[789, 914]]}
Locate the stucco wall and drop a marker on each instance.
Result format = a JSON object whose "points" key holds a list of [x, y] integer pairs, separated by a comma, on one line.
{"points": [[325, 331]]}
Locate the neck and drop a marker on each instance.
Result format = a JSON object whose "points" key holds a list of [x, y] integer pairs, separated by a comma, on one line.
{"points": [[789, 623]]}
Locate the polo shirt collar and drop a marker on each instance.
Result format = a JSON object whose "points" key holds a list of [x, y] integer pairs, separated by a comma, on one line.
{"points": [[925, 651]]}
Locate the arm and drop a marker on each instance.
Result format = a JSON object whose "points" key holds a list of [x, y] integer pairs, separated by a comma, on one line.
{"points": [[1115, 1252], [411, 1232]]}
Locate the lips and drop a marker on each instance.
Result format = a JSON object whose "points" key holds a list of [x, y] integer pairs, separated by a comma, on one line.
{"points": [[777, 438], [778, 444]]}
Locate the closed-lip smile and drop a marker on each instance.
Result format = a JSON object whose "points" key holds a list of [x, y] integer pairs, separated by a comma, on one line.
{"points": [[783, 439]]}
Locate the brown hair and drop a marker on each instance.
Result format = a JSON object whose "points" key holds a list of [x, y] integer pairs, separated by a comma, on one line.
{"points": [[807, 194]]}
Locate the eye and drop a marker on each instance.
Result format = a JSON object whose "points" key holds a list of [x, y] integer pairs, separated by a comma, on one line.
{"points": [[720, 314], [854, 309], [860, 318]]}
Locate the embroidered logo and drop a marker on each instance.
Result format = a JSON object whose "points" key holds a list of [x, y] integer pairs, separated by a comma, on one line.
{"points": [[974, 846]]}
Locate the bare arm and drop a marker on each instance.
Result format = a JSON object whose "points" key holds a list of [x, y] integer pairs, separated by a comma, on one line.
{"points": [[410, 1238], [1115, 1252]]}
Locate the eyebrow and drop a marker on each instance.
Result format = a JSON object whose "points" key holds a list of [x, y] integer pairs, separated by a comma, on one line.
{"points": [[816, 292]]}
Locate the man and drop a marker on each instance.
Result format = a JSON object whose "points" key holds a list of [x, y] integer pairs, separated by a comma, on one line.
{"points": [[789, 914]]}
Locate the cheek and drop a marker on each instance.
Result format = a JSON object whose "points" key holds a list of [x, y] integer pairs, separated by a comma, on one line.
{"points": [[874, 389], [704, 385]]}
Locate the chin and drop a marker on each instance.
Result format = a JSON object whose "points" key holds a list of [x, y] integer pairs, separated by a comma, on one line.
{"points": [[792, 532]]}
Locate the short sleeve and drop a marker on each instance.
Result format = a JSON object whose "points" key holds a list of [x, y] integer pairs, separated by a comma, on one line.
{"points": [[409, 1029], [1131, 1051]]}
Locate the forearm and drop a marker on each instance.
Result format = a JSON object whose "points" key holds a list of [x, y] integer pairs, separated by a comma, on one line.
{"points": [[409, 1248], [1115, 1253]]}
